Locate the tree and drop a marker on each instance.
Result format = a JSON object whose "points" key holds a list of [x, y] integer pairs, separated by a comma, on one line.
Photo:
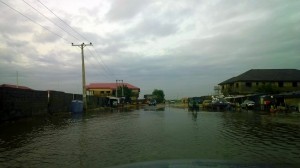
{"points": [[127, 92], [159, 94]]}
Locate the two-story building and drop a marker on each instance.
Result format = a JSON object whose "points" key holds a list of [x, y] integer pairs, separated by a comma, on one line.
{"points": [[109, 89], [254, 80]]}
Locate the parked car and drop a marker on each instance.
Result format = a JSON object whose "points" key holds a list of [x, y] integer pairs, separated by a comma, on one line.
{"points": [[248, 104], [152, 102], [220, 103]]}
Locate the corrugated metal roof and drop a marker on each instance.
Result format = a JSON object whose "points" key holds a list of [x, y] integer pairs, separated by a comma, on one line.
{"points": [[267, 75], [110, 86]]}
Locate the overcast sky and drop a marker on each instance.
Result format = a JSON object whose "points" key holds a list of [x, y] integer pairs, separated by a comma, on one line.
{"points": [[183, 47]]}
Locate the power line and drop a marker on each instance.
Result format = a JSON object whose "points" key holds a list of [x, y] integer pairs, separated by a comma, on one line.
{"points": [[104, 65], [50, 20], [106, 75], [105, 68], [34, 21], [62, 20]]}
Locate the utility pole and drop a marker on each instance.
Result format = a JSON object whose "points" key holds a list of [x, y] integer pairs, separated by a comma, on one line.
{"points": [[17, 79], [116, 88], [81, 46], [122, 88], [117, 84]]}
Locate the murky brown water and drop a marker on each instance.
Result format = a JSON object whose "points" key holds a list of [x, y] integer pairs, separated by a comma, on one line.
{"points": [[116, 138]]}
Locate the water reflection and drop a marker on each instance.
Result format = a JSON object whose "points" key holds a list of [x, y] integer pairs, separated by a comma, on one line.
{"points": [[154, 108], [259, 136], [101, 139], [16, 133], [77, 116], [195, 115]]}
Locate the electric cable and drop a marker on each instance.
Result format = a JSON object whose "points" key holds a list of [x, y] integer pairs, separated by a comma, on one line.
{"points": [[34, 21], [50, 20], [61, 20], [105, 67]]}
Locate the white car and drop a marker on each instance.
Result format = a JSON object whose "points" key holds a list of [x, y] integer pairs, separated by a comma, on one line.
{"points": [[248, 104], [152, 102]]}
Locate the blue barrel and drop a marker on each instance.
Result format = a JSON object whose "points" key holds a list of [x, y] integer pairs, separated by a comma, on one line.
{"points": [[76, 106]]}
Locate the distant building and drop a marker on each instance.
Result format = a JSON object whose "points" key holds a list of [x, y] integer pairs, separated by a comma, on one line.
{"points": [[283, 80], [109, 89]]}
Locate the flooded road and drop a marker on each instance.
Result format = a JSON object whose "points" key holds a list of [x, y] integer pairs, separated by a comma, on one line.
{"points": [[117, 138]]}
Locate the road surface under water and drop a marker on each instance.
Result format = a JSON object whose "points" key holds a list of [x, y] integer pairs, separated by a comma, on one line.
{"points": [[104, 139]]}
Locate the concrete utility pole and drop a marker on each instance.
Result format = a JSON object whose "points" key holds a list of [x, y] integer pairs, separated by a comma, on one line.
{"points": [[17, 79], [83, 73], [122, 88], [116, 88]]}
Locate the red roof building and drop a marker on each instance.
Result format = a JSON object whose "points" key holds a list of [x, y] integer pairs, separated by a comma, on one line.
{"points": [[110, 86], [109, 89]]}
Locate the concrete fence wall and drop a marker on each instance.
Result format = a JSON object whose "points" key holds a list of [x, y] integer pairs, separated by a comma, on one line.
{"points": [[19, 103]]}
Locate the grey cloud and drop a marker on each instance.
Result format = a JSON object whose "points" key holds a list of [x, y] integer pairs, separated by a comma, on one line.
{"points": [[111, 48], [210, 41], [15, 44], [93, 37], [154, 27], [7, 56], [123, 10], [13, 23], [238, 43], [45, 37]]}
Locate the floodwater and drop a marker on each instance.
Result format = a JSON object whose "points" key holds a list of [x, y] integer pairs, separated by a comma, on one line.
{"points": [[104, 139]]}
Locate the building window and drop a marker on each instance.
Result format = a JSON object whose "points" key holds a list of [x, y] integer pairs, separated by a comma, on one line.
{"points": [[101, 92], [237, 85], [257, 83], [107, 91], [280, 84], [248, 84], [295, 84]]}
